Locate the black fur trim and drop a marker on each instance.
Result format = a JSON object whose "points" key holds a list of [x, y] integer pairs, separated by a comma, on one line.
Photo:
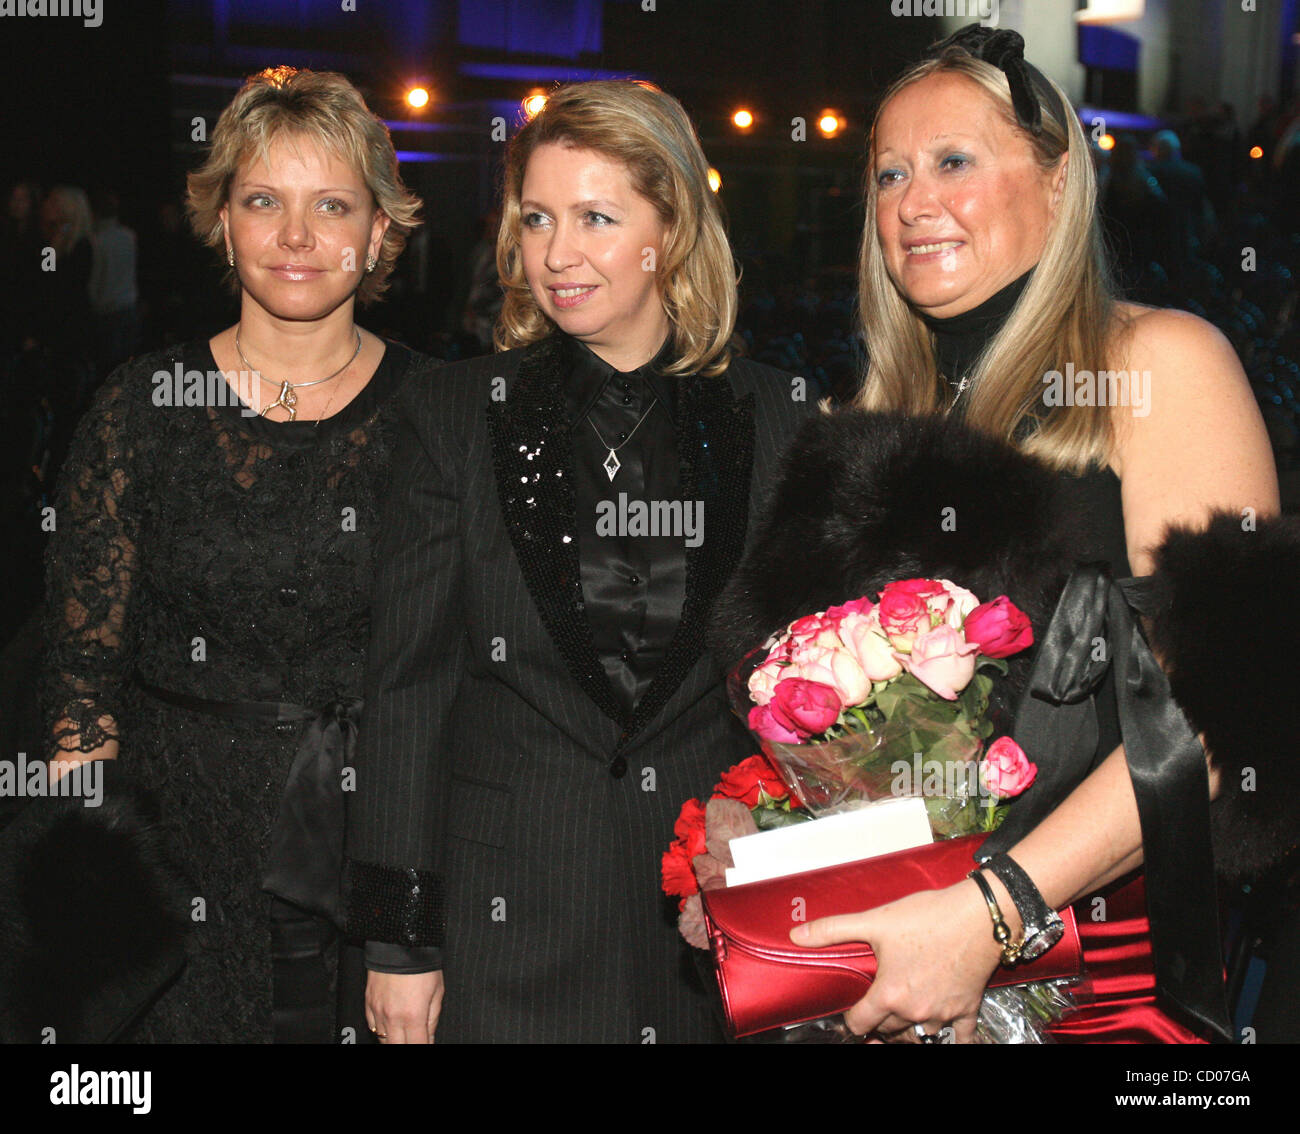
{"points": [[92, 919], [862, 500], [1227, 636]]}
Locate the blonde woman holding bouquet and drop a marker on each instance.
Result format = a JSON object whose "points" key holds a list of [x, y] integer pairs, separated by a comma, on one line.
{"points": [[1018, 421]]}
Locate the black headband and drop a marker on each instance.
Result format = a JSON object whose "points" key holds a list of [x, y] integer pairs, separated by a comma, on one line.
{"points": [[1005, 49]]}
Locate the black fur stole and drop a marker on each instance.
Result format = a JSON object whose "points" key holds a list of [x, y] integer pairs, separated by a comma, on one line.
{"points": [[92, 918], [866, 499], [1228, 636]]}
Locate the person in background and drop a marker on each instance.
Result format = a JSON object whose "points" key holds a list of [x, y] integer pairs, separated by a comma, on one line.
{"points": [[113, 292]]}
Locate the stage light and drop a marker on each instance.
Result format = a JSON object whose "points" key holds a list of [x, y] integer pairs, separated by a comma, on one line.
{"points": [[1110, 11], [742, 119], [829, 123], [715, 179], [417, 97], [1106, 142], [1256, 151], [533, 104]]}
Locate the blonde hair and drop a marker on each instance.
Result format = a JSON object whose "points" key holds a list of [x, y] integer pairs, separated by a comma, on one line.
{"points": [[1067, 311], [76, 223], [325, 108], [647, 131]]}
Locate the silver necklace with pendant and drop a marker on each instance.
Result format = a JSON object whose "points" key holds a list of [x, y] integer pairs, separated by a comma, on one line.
{"points": [[960, 386], [611, 463], [287, 398]]}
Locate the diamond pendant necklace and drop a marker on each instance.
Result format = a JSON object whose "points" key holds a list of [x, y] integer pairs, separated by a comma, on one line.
{"points": [[287, 396], [612, 463]]}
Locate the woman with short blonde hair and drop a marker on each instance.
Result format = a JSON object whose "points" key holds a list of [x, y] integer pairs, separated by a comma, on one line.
{"points": [[282, 103], [209, 583]]}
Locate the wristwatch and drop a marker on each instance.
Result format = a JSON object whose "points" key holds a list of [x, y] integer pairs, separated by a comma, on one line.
{"points": [[1043, 926]]}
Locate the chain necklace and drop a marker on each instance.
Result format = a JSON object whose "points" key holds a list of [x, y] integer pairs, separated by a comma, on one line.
{"points": [[287, 397], [612, 463], [960, 386]]}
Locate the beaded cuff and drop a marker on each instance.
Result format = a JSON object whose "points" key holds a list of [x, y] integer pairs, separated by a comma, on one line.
{"points": [[395, 904]]}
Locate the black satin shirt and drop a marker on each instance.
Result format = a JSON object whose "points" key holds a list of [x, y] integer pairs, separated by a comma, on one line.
{"points": [[633, 583]]}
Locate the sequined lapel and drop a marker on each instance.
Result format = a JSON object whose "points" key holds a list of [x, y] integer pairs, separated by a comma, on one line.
{"points": [[532, 459], [715, 444]]}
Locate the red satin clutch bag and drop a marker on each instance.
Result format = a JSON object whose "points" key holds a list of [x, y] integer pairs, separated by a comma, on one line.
{"points": [[767, 981]]}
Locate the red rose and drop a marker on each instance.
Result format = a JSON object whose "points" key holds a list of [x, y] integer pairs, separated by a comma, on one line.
{"points": [[804, 707], [748, 778], [999, 628]]}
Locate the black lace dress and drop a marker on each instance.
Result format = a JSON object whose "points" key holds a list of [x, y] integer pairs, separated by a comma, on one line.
{"points": [[214, 555]]}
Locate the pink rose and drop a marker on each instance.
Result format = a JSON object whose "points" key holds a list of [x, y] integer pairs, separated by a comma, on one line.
{"points": [[942, 661], [957, 603], [999, 628], [865, 640], [816, 628], [762, 724], [1006, 769], [861, 605], [903, 615], [762, 682], [922, 588], [804, 707], [834, 666]]}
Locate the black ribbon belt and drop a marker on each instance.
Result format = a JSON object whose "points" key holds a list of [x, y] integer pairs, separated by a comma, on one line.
{"points": [[306, 853], [1094, 627]]}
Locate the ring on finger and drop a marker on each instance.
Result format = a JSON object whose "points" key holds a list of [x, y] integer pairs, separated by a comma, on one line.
{"points": [[923, 1036]]}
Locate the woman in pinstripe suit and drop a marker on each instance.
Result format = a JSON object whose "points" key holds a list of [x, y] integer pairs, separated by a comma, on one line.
{"points": [[562, 515]]}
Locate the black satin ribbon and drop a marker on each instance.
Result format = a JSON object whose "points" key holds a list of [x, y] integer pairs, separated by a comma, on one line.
{"points": [[1092, 627], [1005, 50], [305, 862], [302, 1000]]}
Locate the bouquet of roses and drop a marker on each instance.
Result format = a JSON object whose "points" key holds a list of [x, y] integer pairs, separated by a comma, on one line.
{"points": [[870, 701], [866, 702]]}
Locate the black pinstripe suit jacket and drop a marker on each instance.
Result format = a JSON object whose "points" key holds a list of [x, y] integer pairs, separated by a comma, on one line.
{"points": [[505, 806]]}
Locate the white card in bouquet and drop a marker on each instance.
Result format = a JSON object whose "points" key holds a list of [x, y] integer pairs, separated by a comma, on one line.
{"points": [[879, 828]]}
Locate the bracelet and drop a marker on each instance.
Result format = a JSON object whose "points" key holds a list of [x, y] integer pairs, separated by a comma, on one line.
{"points": [[1042, 926], [1025, 896], [1001, 930]]}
